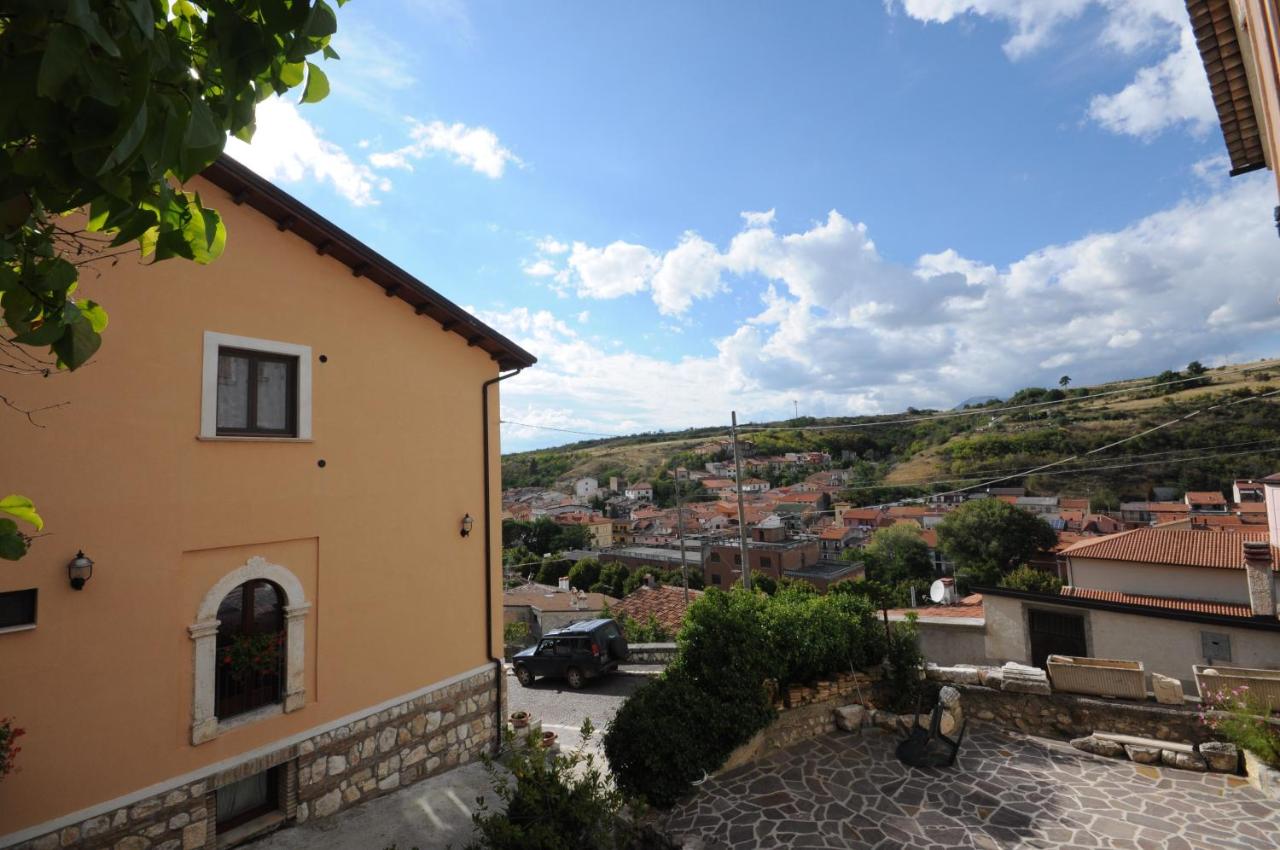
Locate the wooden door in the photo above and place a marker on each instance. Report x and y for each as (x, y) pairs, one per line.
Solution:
(1055, 633)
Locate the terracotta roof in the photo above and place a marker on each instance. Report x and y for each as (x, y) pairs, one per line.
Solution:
(1205, 498)
(835, 532)
(1197, 606)
(968, 607)
(665, 603)
(1172, 546)
(288, 213)
(1219, 45)
(1073, 504)
(546, 598)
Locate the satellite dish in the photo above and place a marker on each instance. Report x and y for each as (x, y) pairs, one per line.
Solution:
(938, 591)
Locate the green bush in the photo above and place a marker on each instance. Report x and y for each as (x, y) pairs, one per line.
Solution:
(714, 696)
(1031, 580)
(1241, 718)
(903, 663)
(552, 802)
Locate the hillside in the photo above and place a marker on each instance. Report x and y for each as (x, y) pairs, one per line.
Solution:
(904, 458)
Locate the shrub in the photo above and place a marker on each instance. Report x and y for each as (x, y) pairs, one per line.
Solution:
(903, 661)
(9, 734)
(1241, 718)
(516, 633)
(555, 801)
(635, 631)
(1030, 579)
(672, 730)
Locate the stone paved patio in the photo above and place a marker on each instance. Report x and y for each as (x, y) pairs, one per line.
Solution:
(849, 791)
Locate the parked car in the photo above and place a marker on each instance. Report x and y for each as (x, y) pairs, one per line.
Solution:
(578, 652)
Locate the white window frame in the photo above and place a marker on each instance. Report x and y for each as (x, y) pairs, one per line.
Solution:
(209, 383)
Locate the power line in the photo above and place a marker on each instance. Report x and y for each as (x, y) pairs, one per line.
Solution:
(977, 411)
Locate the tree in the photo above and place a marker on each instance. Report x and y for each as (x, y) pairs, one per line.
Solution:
(108, 108)
(897, 553)
(1030, 579)
(1195, 369)
(986, 538)
(584, 574)
(1064, 381)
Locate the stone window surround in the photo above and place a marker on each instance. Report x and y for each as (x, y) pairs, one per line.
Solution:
(209, 383)
(205, 725)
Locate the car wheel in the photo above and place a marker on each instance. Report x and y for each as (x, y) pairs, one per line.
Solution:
(575, 678)
(524, 676)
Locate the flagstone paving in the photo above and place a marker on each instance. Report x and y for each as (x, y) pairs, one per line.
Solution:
(848, 790)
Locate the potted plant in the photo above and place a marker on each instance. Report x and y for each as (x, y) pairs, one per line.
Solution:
(9, 750)
(519, 719)
(548, 739)
(258, 654)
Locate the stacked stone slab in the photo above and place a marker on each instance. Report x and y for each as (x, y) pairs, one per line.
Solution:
(1214, 756)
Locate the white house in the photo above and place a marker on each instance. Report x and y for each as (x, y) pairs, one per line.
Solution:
(585, 488)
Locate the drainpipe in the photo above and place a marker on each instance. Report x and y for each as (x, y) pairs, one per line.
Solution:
(498, 672)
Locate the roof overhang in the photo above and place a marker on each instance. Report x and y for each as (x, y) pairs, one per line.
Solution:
(1226, 64)
(1267, 624)
(288, 213)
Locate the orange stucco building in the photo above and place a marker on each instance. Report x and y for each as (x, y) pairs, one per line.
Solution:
(271, 462)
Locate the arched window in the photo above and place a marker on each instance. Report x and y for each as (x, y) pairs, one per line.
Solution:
(250, 648)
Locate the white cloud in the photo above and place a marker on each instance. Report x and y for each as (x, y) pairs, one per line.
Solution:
(759, 219)
(288, 148)
(540, 268)
(617, 269)
(689, 271)
(477, 148)
(850, 332)
(584, 317)
(550, 245)
(1172, 92)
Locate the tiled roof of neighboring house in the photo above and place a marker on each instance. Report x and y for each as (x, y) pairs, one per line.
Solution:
(1214, 27)
(1073, 504)
(547, 598)
(835, 532)
(664, 603)
(930, 537)
(862, 513)
(1101, 524)
(1205, 498)
(968, 607)
(1251, 507)
(1222, 609)
(1171, 546)
(811, 498)
(717, 483)
(288, 213)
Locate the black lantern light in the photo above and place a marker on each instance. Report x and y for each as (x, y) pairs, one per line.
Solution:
(467, 522)
(80, 569)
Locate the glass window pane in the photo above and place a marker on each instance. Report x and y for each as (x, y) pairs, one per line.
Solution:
(266, 607)
(230, 614)
(238, 798)
(273, 395)
(233, 391)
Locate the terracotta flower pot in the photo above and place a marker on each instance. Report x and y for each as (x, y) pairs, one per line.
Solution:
(519, 719)
(548, 739)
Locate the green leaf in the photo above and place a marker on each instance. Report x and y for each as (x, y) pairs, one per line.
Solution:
(86, 20)
(329, 52)
(23, 508)
(134, 226)
(321, 22)
(46, 334)
(317, 85)
(57, 274)
(143, 14)
(291, 73)
(61, 58)
(129, 141)
(12, 544)
(93, 311)
(77, 344)
(8, 277)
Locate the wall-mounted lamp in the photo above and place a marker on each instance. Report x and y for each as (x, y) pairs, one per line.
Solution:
(467, 522)
(79, 570)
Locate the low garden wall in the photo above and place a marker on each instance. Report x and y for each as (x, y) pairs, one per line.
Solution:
(652, 653)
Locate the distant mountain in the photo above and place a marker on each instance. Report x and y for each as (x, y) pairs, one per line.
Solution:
(975, 400)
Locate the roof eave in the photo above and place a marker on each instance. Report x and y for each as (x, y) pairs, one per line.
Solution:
(246, 187)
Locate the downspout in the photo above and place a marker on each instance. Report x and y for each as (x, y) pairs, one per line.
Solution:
(498, 670)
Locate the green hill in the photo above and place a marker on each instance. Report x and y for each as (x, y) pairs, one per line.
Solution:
(892, 458)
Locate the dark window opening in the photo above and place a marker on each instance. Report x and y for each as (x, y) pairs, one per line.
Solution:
(257, 393)
(17, 608)
(1055, 633)
(715, 578)
(250, 798)
(765, 562)
(251, 648)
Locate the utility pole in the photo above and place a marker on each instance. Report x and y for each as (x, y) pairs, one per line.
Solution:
(684, 567)
(742, 522)
(797, 404)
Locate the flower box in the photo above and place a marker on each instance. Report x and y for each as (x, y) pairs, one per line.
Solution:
(1263, 685)
(1101, 677)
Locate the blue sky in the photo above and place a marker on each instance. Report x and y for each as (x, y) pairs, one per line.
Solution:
(686, 208)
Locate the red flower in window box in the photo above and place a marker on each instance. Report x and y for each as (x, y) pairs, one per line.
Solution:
(260, 654)
(9, 750)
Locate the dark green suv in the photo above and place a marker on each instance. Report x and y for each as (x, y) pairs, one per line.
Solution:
(578, 652)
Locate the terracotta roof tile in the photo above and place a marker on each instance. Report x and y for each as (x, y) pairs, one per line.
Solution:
(1197, 606)
(970, 606)
(1205, 498)
(1172, 546)
(665, 603)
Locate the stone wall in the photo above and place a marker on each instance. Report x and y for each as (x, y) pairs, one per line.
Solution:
(652, 653)
(318, 776)
(1067, 716)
